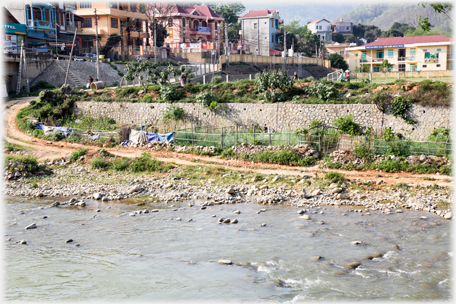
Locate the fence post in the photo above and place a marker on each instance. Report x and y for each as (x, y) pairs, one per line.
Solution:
(253, 134)
(227, 78)
(289, 136)
(222, 138)
(398, 75)
(428, 75)
(204, 79)
(319, 144)
(270, 141)
(250, 76)
(236, 134)
(386, 77)
(370, 76)
(192, 133)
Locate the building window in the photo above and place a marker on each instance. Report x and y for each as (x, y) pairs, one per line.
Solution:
(87, 22)
(390, 53)
(85, 4)
(439, 50)
(204, 24)
(401, 67)
(113, 5)
(348, 28)
(195, 24)
(424, 50)
(438, 65)
(114, 23)
(272, 23)
(183, 22)
(424, 66)
(133, 7)
(341, 52)
(379, 54)
(170, 22)
(255, 26)
(376, 69)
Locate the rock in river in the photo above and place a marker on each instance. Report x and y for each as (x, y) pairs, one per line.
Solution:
(227, 262)
(31, 226)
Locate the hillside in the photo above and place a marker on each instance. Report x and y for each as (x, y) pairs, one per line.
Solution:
(304, 12)
(384, 15)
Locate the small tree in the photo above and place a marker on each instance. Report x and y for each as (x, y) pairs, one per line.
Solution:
(113, 41)
(386, 66)
(337, 61)
(272, 84)
(338, 38)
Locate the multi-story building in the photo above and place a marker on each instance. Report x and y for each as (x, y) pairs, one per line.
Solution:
(189, 27)
(424, 53)
(338, 48)
(259, 30)
(126, 19)
(50, 23)
(343, 27)
(322, 28)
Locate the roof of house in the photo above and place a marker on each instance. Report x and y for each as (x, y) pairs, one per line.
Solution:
(203, 10)
(343, 22)
(316, 21)
(409, 40)
(259, 13)
(9, 15)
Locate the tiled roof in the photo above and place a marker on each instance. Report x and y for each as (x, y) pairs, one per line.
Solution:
(409, 40)
(343, 22)
(203, 10)
(316, 21)
(259, 13)
(206, 11)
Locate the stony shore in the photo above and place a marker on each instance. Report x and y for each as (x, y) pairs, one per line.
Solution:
(79, 183)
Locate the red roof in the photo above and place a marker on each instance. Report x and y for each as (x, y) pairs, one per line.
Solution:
(343, 22)
(316, 21)
(203, 10)
(409, 40)
(206, 11)
(259, 13)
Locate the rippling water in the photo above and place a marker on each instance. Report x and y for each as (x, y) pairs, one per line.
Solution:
(150, 257)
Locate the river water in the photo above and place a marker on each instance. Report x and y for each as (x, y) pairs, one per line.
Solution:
(155, 257)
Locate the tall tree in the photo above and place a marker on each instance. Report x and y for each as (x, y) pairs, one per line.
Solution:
(441, 8)
(308, 42)
(229, 11)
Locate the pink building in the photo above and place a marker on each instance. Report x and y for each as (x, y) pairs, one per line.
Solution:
(191, 28)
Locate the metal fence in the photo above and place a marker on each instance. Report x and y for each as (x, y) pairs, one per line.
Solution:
(325, 140)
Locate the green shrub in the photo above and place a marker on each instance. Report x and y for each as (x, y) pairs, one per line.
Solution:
(335, 177)
(54, 137)
(144, 163)
(168, 93)
(173, 113)
(400, 107)
(347, 125)
(323, 89)
(441, 134)
(121, 164)
(101, 163)
(273, 84)
(283, 157)
(227, 153)
(363, 151)
(148, 98)
(77, 154)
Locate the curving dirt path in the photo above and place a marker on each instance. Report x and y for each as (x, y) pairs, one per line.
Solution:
(44, 149)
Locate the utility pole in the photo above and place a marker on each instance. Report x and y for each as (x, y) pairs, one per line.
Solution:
(285, 49)
(96, 38)
(227, 47)
(71, 56)
(155, 41)
(316, 50)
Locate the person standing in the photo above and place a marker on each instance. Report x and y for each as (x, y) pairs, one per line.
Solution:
(347, 75)
(295, 76)
(90, 82)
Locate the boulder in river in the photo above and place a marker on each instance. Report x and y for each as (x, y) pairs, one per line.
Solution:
(31, 226)
(226, 262)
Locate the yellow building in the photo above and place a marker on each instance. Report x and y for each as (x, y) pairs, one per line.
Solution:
(424, 53)
(124, 18)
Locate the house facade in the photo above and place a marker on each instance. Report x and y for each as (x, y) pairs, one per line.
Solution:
(322, 28)
(126, 19)
(424, 53)
(259, 31)
(338, 48)
(190, 28)
(343, 27)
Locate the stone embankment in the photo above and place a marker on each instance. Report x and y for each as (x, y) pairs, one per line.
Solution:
(121, 186)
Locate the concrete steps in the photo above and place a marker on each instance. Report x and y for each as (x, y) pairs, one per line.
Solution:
(64, 65)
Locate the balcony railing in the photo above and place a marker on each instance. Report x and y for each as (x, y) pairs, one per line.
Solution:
(39, 23)
(407, 58)
(194, 31)
(139, 35)
(368, 59)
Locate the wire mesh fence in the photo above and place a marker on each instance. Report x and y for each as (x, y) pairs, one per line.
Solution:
(323, 139)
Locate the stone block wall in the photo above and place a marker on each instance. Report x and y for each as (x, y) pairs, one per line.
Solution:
(278, 116)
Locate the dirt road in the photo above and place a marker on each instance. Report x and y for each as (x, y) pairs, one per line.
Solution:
(44, 149)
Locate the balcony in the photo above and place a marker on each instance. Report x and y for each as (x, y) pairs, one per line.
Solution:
(140, 35)
(370, 60)
(39, 23)
(278, 30)
(407, 58)
(194, 31)
(67, 28)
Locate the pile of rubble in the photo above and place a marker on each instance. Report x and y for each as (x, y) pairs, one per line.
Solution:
(301, 150)
(210, 149)
(345, 157)
(16, 169)
(160, 145)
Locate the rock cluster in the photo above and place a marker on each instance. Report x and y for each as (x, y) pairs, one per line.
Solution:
(16, 169)
(301, 150)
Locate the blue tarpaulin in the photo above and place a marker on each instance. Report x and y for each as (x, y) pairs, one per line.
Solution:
(39, 126)
(168, 136)
(151, 137)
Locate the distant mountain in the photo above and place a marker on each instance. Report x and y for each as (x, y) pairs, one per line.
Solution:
(304, 13)
(384, 15)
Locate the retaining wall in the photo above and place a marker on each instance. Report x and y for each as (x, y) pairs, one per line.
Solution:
(279, 116)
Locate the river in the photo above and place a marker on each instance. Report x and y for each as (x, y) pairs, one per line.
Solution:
(153, 256)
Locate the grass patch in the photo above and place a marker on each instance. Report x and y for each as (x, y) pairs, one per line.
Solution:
(335, 177)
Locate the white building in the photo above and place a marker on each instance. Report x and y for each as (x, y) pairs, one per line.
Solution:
(322, 28)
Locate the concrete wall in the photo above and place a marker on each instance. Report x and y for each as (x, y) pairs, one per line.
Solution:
(36, 64)
(259, 37)
(274, 59)
(279, 116)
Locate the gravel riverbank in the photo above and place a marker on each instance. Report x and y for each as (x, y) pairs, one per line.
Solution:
(79, 183)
